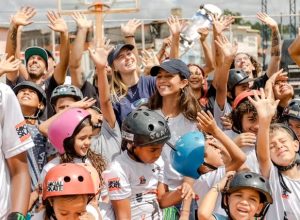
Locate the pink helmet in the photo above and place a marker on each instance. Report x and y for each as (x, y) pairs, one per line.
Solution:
(68, 179)
(64, 127)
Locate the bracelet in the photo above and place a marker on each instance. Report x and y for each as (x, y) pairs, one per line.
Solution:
(15, 216)
(217, 187)
(129, 36)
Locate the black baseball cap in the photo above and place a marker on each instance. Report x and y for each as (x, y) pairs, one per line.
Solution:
(31, 51)
(115, 52)
(174, 66)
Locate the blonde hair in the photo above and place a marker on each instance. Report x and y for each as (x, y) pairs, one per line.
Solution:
(118, 88)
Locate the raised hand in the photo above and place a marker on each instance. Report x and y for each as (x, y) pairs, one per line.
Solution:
(246, 139)
(81, 20)
(222, 184)
(203, 33)
(265, 105)
(84, 103)
(221, 23)
(267, 20)
(57, 23)
(229, 50)
(23, 16)
(99, 55)
(175, 25)
(206, 122)
(226, 122)
(149, 59)
(186, 191)
(8, 65)
(130, 27)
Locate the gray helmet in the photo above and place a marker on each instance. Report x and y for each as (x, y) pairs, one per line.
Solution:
(293, 109)
(31, 85)
(65, 91)
(143, 127)
(236, 77)
(250, 180)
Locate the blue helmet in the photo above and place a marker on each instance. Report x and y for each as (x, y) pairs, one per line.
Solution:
(189, 154)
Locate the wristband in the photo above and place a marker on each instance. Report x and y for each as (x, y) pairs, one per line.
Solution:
(16, 216)
(129, 36)
(216, 187)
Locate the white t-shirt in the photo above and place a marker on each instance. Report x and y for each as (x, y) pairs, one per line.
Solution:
(126, 178)
(204, 183)
(179, 126)
(289, 202)
(14, 139)
(108, 142)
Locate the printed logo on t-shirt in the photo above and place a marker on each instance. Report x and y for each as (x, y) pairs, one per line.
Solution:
(55, 186)
(22, 131)
(114, 184)
(142, 180)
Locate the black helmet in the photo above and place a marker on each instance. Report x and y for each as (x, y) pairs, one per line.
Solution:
(293, 109)
(65, 91)
(236, 77)
(143, 127)
(250, 180)
(31, 85)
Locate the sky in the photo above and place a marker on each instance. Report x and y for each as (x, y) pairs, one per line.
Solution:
(153, 9)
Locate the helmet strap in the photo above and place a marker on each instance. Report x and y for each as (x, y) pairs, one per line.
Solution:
(131, 153)
(209, 166)
(285, 168)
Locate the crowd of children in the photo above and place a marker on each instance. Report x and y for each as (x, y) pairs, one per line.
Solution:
(149, 138)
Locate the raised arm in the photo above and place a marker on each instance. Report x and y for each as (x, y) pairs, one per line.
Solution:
(208, 58)
(128, 31)
(175, 29)
(219, 25)
(207, 123)
(294, 49)
(266, 109)
(58, 24)
(274, 63)
(207, 206)
(76, 71)
(21, 18)
(99, 56)
(8, 64)
(222, 72)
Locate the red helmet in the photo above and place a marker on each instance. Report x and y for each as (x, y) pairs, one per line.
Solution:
(243, 96)
(68, 179)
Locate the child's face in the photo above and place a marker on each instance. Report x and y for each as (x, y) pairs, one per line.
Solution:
(28, 98)
(83, 140)
(295, 125)
(244, 204)
(62, 103)
(238, 89)
(250, 123)
(213, 154)
(149, 154)
(283, 90)
(69, 208)
(282, 147)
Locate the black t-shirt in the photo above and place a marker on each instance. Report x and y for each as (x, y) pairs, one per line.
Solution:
(88, 90)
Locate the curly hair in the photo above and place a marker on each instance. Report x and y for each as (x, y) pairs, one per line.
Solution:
(97, 161)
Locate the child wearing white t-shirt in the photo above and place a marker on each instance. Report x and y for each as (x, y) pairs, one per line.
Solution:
(135, 178)
(278, 156)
